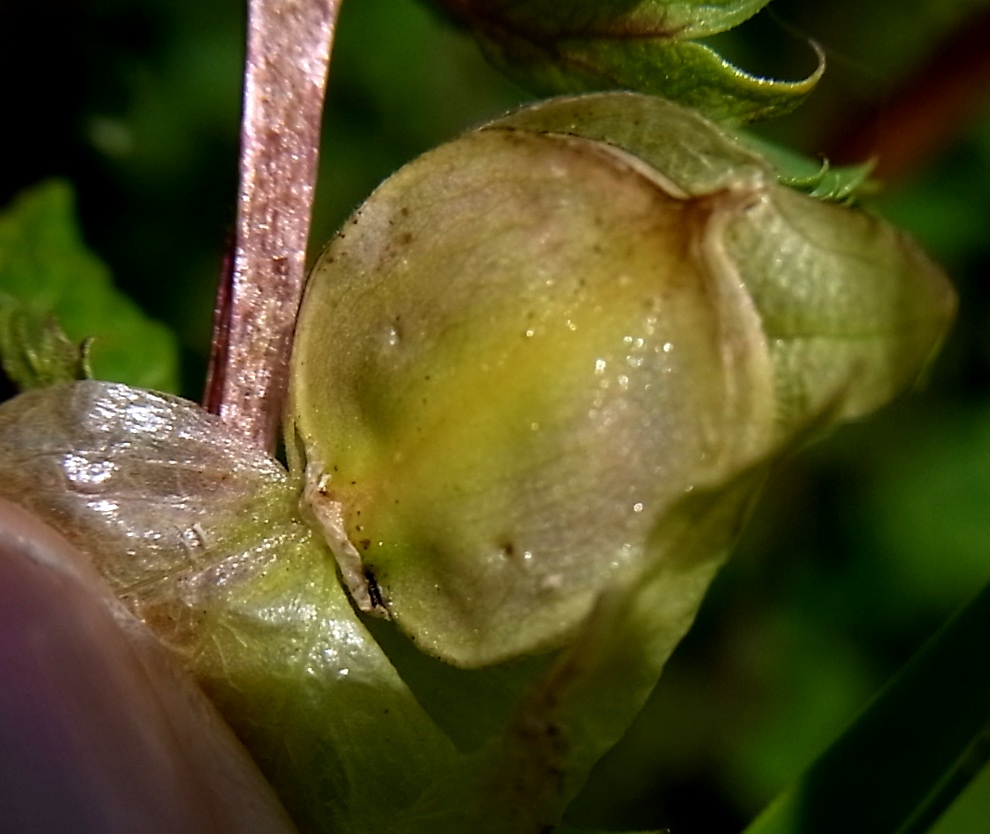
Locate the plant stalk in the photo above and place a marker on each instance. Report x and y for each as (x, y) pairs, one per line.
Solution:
(910, 125)
(285, 79)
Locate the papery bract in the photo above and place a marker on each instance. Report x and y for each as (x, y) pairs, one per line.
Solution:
(530, 344)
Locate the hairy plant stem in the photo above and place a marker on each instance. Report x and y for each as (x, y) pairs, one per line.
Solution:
(285, 78)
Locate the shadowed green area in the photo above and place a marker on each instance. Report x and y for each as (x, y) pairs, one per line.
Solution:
(903, 761)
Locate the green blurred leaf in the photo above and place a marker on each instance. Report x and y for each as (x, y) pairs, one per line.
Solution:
(34, 350)
(934, 558)
(913, 750)
(969, 812)
(46, 268)
(647, 46)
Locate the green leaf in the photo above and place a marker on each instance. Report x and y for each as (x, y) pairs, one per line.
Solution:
(648, 47)
(34, 350)
(968, 813)
(913, 750)
(47, 269)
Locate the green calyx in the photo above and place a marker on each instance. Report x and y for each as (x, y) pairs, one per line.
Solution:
(531, 343)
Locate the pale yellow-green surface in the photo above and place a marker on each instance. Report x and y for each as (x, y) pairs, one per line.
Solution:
(528, 345)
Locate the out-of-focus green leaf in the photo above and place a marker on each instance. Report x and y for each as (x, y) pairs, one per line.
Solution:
(647, 46)
(929, 510)
(34, 350)
(48, 271)
(968, 814)
(912, 751)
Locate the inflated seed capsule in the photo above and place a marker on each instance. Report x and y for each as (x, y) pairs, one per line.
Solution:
(530, 343)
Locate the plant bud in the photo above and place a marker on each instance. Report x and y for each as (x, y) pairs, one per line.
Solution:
(529, 344)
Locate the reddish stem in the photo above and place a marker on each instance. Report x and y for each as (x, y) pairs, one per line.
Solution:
(928, 108)
(288, 58)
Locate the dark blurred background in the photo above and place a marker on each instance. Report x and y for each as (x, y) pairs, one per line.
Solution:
(862, 546)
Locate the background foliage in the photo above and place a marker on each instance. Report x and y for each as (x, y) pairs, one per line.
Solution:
(863, 545)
